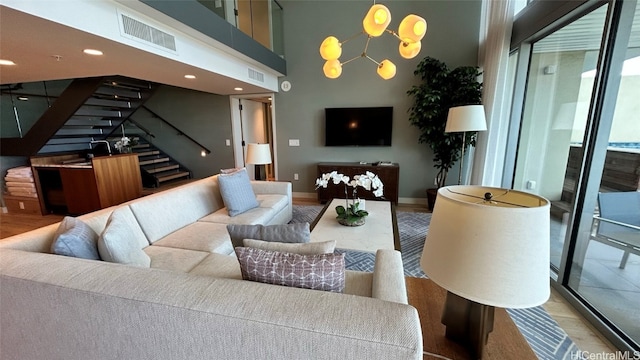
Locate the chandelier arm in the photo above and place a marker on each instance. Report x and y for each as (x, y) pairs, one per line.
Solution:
(352, 37)
(350, 60)
(366, 46)
(369, 57)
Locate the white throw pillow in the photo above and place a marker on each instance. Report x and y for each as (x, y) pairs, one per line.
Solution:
(324, 247)
(122, 240)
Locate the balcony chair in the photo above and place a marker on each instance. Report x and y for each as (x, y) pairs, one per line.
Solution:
(618, 223)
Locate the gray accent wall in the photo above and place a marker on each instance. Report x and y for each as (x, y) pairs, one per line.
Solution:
(452, 36)
(203, 116)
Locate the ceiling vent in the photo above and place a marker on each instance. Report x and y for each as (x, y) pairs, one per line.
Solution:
(256, 75)
(138, 30)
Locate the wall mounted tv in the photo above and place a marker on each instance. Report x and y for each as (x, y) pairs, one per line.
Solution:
(365, 126)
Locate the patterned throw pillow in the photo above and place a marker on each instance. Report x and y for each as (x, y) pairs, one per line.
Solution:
(75, 238)
(237, 193)
(316, 272)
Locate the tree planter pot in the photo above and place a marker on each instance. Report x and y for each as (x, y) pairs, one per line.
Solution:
(431, 198)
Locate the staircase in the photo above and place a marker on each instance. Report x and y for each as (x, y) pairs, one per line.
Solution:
(156, 167)
(112, 102)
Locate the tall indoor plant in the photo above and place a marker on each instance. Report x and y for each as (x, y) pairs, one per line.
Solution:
(441, 89)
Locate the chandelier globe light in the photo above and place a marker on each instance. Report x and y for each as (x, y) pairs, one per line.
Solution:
(412, 28)
(409, 50)
(330, 49)
(411, 31)
(332, 69)
(376, 20)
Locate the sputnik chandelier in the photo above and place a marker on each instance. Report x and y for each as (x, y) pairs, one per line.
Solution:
(411, 30)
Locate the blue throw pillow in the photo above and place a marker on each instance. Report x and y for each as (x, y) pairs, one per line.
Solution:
(75, 238)
(237, 193)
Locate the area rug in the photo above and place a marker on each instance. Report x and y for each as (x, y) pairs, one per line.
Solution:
(542, 332)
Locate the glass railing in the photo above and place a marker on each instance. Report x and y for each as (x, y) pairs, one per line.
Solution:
(23, 104)
(260, 19)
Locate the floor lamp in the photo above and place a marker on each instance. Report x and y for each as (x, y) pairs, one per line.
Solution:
(463, 119)
(487, 247)
(259, 155)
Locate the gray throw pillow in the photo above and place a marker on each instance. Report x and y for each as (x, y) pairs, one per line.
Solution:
(75, 238)
(237, 193)
(317, 272)
(312, 248)
(286, 233)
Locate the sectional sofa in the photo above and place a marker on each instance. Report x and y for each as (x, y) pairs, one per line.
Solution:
(189, 300)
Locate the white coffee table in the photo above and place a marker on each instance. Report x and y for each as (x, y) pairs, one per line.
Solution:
(379, 232)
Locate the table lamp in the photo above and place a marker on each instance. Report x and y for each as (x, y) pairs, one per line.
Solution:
(259, 155)
(463, 119)
(487, 247)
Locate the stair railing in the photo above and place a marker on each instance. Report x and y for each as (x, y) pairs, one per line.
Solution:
(180, 132)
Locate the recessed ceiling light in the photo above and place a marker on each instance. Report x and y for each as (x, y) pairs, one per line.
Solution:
(189, 76)
(6, 62)
(92, 52)
(238, 89)
(22, 98)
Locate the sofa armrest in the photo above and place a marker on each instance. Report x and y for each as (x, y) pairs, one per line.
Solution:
(388, 277)
(272, 187)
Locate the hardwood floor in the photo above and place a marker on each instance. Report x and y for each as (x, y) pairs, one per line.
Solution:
(580, 331)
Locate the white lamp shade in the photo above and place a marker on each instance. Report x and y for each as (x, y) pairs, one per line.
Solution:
(495, 253)
(466, 118)
(258, 154)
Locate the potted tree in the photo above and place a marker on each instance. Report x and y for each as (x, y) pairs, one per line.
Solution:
(441, 89)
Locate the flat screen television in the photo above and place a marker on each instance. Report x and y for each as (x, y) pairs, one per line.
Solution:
(365, 126)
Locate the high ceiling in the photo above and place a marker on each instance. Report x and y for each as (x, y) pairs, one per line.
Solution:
(45, 50)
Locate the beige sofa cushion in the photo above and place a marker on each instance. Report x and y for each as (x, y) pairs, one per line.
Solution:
(122, 240)
(180, 260)
(162, 213)
(250, 217)
(276, 202)
(219, 266)
(199, 236)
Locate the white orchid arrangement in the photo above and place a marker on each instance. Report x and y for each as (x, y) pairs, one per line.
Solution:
(124, 144)
(369, 181)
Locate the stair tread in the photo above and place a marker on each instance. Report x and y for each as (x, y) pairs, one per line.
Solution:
(161, 168)
(144, 153)
(153, 161)
(172, 175)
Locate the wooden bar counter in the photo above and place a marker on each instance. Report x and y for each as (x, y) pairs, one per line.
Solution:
(70, 184)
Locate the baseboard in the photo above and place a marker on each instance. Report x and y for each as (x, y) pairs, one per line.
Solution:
(412, 201)
(402, 200)
(304, 195)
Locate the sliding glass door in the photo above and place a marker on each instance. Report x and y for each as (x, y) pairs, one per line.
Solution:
(605, 267)
(579, 146)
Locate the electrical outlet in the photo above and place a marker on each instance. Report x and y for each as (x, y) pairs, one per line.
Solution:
(531, 185)
(227, 142)
(295, 177)
(294, 142)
